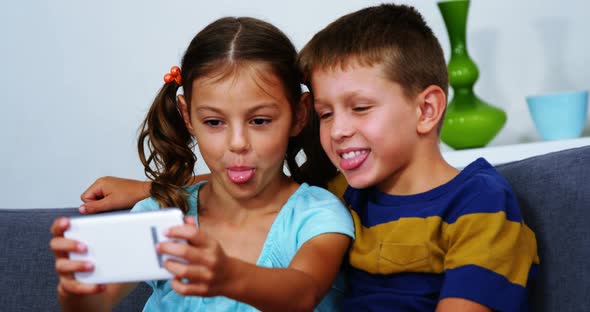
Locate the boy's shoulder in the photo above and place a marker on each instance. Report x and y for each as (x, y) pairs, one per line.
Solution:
(478, 188)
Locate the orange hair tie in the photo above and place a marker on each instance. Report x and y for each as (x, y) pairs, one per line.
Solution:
(174, 75)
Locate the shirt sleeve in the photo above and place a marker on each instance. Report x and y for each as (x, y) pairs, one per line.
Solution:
(321, 212)
(148, 204)
(491, 253)
(338, 185)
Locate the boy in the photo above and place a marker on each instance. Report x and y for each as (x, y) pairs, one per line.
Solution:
(427, 236)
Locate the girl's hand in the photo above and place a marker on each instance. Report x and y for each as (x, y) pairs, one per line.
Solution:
(112, 193)
(65, 267)
(206, 272)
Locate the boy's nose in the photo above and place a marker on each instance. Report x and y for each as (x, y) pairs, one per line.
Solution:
(238, 140)
(341, 128)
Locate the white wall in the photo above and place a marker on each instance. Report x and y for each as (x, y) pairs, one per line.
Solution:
(78, 76)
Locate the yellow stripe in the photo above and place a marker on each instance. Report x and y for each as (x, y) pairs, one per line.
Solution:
(423, 245)
(502, 246)
(338, 186)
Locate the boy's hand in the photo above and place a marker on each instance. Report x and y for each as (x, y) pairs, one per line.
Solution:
(206, 272)
(65, 267)
(112, 193)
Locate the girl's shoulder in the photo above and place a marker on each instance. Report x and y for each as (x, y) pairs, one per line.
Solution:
(315, 196)
(312, 211)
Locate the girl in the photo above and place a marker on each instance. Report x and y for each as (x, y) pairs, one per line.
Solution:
(257, 236)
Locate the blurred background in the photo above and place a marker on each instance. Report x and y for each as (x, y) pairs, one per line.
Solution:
(78, 76)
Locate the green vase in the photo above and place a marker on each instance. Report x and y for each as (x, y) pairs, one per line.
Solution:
(469, 121)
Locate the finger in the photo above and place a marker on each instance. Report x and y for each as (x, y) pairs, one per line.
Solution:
(59, 226)
(190, 220)
(99, 205)
(191, 272)
(67, 245)
(180, 250)
(93, 192)
(75, 287)
(65, 267)
(195, 289)
(189, 232)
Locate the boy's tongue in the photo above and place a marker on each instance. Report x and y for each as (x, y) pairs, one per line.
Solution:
(240, 175)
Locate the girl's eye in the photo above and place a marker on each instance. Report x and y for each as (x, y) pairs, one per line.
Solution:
(213, 122)
(261, 121)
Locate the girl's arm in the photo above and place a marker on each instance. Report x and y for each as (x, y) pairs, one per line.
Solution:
(73, 295)
(210, 272)
(112, 193)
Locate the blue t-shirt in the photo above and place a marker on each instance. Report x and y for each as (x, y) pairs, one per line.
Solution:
(310, 211)
(465, 239)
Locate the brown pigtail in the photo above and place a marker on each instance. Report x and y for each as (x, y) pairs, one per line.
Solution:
(170, 159)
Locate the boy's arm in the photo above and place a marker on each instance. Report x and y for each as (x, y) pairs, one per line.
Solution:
(460, 305)
(112, 193)
(490, 256)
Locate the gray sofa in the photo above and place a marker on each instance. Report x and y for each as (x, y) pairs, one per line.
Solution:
(553, 191)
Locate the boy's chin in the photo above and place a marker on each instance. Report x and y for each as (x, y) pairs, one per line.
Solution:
(358, 182)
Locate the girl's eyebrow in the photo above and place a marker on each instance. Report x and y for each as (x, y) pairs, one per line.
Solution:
(269, 105)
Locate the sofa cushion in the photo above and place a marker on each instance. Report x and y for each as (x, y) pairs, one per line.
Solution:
(553, 192)
(27, 263)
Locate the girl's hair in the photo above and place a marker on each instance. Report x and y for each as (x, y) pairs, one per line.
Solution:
(220, 49)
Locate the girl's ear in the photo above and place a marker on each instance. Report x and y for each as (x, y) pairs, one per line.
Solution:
(300, 118)
(432, 103)
(183, 108)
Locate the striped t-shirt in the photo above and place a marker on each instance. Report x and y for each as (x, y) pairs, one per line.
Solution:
(463, 239)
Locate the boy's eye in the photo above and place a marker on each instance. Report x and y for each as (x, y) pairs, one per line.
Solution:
(324, 115)
(261, 121)
(360, 108)
(213, 122)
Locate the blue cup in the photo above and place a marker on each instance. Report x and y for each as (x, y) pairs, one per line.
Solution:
(559, 115)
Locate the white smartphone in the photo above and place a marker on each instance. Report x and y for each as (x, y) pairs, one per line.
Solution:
(122, 245)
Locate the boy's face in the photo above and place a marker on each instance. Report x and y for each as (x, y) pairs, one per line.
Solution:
(367, 124)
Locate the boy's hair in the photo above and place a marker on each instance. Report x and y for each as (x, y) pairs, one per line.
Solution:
(393, 36)
(223, 47)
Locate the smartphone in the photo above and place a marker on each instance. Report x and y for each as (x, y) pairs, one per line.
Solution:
(122, 245)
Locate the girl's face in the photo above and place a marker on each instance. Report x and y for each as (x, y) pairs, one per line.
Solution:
(242, 124)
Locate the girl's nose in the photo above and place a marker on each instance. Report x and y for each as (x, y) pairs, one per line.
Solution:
(238, 140)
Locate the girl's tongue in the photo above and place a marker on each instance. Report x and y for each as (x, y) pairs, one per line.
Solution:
(240, 175)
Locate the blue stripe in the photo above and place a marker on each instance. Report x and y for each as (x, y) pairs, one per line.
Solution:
(477, 189)
(485, 287)
(395, 292)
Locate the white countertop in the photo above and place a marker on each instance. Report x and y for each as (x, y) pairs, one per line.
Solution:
(502, 154)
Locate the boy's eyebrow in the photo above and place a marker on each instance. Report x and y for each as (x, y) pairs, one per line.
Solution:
(342, 96)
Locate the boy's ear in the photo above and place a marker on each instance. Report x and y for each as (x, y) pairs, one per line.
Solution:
(432, 103)
(183, 108)
(303, 110)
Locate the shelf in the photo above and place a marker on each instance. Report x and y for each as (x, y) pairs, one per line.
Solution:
(502, 154)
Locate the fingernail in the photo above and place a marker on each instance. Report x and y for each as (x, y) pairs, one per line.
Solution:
(88, 266)
(81, 247)
(82, 209)
(63, 222)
